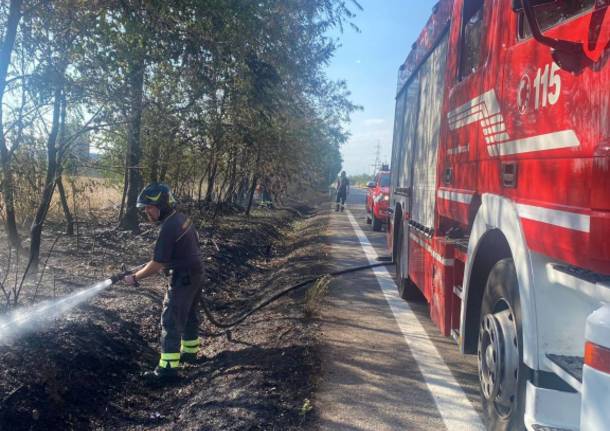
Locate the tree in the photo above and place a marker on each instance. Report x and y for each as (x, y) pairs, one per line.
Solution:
(211, 96)
(8, 42)
(52, 35)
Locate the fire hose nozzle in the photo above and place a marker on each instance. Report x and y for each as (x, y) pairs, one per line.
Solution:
(124, 273)
(120, 276)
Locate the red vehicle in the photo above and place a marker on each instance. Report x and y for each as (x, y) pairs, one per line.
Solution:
(377, 199)
(500, 194)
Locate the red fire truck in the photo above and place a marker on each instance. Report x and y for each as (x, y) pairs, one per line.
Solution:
(500, 194)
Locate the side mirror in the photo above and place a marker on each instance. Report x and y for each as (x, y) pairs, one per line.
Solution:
(370, 184)
(518, 6)
(568, 55)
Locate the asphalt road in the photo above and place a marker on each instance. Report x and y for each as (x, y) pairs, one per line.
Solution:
(385, 366)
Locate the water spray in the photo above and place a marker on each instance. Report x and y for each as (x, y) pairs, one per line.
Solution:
(25, 320)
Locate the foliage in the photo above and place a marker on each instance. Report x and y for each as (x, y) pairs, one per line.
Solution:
(210, 96)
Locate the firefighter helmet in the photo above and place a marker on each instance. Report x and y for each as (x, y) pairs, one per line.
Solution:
(157, 194)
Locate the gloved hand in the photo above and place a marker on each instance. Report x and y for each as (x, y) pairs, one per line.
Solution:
(130, 280)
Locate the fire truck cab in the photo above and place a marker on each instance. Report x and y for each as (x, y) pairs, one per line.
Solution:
(500, 193)
(377, 199)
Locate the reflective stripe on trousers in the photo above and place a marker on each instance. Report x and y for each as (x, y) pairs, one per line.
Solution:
(190, 346)
(179, 318)
(169, 360)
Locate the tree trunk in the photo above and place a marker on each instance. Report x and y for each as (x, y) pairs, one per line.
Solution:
(163, 172)
(49, 184)
(160, 158)
(7, 194)
(251, 194)
(65, 206)
(60, 185)
(134, 151)
(242, 190)
(163, 161)
(154, 163)
(200, 189)
(223, 186)
(230, 192)
(125, 183)
(8, 43)
(211, 177)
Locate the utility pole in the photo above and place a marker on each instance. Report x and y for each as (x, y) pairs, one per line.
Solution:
(377, 158)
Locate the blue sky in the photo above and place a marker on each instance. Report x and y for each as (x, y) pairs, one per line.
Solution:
(369, 62)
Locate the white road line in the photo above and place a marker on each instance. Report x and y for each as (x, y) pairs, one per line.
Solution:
(451, 401)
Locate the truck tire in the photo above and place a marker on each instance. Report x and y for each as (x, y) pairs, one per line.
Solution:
(406, 289)
(502, 373)
(376, 221)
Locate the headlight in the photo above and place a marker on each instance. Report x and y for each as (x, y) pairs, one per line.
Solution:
(386, 197)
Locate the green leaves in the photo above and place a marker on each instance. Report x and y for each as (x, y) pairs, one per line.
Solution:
(232, 89)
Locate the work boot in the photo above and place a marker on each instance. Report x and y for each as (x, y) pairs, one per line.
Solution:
(337, 209)
(189, 349)
(342, 208)
(160, 375)
(191, 358)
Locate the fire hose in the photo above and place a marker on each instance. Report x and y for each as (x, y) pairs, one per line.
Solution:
(385, 261)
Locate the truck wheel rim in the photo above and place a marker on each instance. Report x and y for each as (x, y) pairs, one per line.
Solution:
(498, 357)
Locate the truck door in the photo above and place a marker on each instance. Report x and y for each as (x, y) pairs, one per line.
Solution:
(558, 116)
(473, 111)
(555, 117)
(402, 167)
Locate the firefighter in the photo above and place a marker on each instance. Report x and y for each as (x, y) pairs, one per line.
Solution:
(342, 191)
(177, 253)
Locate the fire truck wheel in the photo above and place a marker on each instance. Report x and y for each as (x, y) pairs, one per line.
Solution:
(406, 288)
(376, 222)
(502, 374)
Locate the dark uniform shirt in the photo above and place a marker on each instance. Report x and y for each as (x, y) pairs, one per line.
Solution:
(178, 244)
(342, 185)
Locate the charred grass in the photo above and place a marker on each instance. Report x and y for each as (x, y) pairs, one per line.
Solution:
(83, 371)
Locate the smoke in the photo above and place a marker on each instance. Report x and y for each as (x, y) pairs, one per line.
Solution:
(22, 321)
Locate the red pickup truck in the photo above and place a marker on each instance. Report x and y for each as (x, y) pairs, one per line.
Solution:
(377, 200)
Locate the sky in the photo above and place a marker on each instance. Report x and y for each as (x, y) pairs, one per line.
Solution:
(369, 62)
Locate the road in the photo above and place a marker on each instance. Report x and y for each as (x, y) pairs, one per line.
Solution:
(385, 366)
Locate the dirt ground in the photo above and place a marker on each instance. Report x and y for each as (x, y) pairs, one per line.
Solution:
(83, 370)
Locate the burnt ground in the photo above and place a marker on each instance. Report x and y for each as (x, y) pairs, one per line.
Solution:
(82, 371)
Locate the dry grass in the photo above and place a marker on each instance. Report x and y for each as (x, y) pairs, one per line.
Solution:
(315, 294)
(87, 195)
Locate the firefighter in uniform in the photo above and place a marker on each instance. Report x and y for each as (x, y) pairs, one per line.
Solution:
(342, 190)
(177, 253)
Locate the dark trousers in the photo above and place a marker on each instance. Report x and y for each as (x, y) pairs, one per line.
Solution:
(341, 196)
(179, 318)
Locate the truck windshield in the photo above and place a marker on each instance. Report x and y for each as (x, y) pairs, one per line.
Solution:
(384, 181)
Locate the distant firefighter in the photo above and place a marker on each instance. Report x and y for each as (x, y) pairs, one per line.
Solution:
(342, 191)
